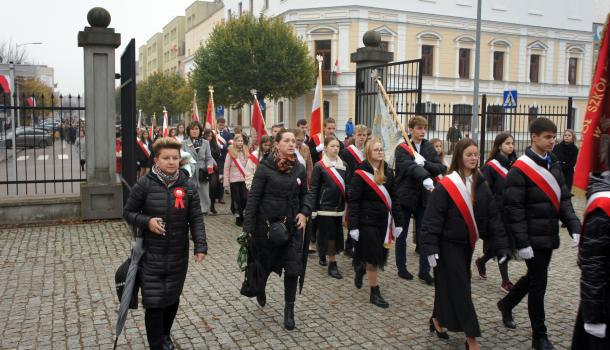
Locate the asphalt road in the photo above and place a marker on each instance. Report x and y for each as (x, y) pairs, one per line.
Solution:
(56, 163)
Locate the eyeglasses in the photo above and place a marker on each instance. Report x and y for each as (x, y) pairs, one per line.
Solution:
(380, 150)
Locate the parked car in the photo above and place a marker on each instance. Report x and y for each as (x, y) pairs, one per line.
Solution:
(49, 125)
(27, 137)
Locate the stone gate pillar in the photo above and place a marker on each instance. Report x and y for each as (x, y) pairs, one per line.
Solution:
(101, 195)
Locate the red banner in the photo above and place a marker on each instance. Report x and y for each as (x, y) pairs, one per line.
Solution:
(593, 154)
(258, 123)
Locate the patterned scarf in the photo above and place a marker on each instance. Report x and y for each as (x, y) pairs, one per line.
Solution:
(284, 164)
(197, 143)
(166, 179)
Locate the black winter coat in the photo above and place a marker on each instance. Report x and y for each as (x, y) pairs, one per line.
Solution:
(594, 261)
(495, 181)
(566, 155)
(325, 193)
(164, 264)
(443, 221)
(531, 218)
(142, 159)
(365, 206)
(410, 176)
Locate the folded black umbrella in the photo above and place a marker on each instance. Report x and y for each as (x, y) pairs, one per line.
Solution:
(304, 256)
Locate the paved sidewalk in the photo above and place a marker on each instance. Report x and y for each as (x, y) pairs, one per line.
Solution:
(57, 292)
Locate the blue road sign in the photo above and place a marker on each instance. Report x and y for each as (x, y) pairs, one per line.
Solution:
(220, 111)
(510, 99)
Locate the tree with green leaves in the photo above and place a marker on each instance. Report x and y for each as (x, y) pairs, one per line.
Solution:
(248, 53)
(169, 90)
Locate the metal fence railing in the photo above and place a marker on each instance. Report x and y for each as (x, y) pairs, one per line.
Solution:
(42, 142)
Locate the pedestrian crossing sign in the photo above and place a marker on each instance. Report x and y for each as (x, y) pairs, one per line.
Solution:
(510, 99)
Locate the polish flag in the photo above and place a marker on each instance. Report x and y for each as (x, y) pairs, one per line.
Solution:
(5, 83)
(337, 68)
(195, 116)
(165, 123)
(139, 126)
(258, 123)
(210, 117)
(316, 111)
(30, 101)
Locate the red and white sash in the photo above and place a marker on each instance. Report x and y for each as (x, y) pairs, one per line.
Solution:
(220, 140)
(356, 153)
(497, 166)
(542, 177)
(438, 177)
(408, 149)
(334, 174)
(254, 157)
(383, 193)
(238, 165)
(144, 148)
(599, 200)
(456, 188)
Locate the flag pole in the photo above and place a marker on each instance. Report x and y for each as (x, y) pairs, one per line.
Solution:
(392, 110)
(211, 90)
(320, 60)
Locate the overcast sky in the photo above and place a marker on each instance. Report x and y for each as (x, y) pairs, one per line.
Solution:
(56, 24)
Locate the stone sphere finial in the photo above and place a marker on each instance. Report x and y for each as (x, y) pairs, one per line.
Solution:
(98, 17)
(371, 39)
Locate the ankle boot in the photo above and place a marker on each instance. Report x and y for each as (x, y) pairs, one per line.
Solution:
(377, 299)
(333, 270)
(289, 316)
(359, 272)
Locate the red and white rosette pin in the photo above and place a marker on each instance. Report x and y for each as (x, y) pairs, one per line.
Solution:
(179, 195)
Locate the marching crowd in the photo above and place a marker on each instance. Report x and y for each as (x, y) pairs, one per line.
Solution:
(293, 194)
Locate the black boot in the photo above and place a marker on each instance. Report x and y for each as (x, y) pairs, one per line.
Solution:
(289, 316)
(239, 221)
(359, 272)
(262, 299)
(507, 316)
(333, 270)
(377, 299)
(542, 343)
(323, 261)
(167, 343)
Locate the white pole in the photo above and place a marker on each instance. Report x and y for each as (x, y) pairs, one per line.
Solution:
(13, 128)
(477, 58)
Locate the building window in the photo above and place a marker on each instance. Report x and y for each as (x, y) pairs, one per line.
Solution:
(498, 65)
(239, 10)
(322, 48)
(495, 118)
(229, 13)
(240, 115)
(384, 45)
(280, 112)
(462, 114)
(534, 68)
(326, 110)
(572, 70)
(427, 55)
(428, 111)
(464, 64)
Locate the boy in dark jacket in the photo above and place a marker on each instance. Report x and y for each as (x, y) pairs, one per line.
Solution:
(415, 171)
(535, 199)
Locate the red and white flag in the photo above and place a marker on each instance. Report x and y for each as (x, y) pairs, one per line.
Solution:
(316, 109)
(31, 101)
(195, 116)
(258, 123)
(5, 83)
(337, 68)
(593, 155)
(210, 119)
(165, 123)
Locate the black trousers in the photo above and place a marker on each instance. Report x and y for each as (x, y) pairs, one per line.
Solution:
(534, 285)
(159, 324)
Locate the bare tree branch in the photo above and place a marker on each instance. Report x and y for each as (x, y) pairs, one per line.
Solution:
(9, 52)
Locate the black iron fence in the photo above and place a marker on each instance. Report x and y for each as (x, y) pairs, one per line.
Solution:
(42, 143)
(452, 122)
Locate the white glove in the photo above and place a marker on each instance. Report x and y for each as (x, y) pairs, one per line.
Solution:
(596, 329)
(575, 239)
(314, 215)
(432, 260)
(419, 160)
(355, 234)
(397, 232)
(320, 147)
(526, 253)
(429, 184)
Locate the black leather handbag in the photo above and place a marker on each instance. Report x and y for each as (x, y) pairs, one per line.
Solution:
(277, 232)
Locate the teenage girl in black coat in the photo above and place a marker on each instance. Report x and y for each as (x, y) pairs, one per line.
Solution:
(449, 244)
(567, 153)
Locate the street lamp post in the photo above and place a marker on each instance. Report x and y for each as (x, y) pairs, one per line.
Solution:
(475, 98)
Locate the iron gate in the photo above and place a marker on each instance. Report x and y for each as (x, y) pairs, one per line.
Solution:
(128, 116)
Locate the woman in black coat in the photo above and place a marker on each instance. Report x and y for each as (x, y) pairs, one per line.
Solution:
(215, 184)
(448, 240)
(567, 153)
(164, 206)
(328, 197)
(144, 154)
(374, 219)
(591, 331)
(501, 158)
(279, 194)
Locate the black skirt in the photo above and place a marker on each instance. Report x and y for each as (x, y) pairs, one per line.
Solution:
(453, 307)
(369, 247)
(330, 228)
